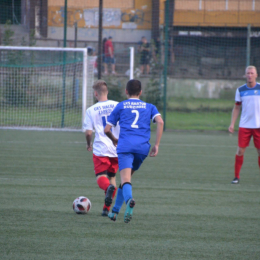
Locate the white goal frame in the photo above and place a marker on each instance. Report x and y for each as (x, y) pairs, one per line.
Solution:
(84, 80)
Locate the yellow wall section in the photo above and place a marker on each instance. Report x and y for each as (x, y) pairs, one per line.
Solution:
(138, 13)
(82, 4)
(235, 13)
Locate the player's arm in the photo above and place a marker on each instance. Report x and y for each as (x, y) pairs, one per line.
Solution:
(110, 135)
(159, 131)
(235, 114)
(88, 134)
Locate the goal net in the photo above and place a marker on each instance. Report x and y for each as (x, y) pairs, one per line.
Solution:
(45, 88)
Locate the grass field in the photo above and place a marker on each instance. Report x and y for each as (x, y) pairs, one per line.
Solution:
(186, 207)
(182, 114)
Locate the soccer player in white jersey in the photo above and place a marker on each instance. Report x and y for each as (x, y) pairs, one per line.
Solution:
(134, 117)
(247, 96)
(104, 152)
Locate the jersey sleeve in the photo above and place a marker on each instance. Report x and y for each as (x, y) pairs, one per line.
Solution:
(154, 113)
(114, 116)
(237, 97)
(88, 124)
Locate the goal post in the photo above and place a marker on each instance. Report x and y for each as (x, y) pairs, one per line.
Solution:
(45, 88)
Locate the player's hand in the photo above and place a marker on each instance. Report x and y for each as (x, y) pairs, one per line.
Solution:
(231, 129)
(115, 141)
(154, 151)
(89, 147)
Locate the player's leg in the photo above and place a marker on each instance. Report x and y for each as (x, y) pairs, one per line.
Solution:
(125, 161)
(111, 172)
(239, 159)
(101, 165)
(125, 175)
(127, 166)
(118, 204)
(112, 180)
(103, 183)
(244, 136)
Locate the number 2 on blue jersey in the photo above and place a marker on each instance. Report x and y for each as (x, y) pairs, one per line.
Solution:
(134, 125)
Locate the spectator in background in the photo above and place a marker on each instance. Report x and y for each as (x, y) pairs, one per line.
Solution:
(157, 49)
(93, 59)
(144, 50)
(103, 51)
(109, 55)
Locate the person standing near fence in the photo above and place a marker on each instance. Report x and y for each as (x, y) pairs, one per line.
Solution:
(109, 56)
(104, 152)
(247, 96)
(144, 50)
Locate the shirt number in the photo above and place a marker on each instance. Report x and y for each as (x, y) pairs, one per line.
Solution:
(134, 125)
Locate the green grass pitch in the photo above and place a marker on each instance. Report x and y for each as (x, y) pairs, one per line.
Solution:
(186, 207)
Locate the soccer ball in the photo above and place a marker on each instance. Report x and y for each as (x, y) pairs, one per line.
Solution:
(81, 205)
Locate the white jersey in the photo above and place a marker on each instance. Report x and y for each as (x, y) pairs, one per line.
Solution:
(250, 100)
(96, 118)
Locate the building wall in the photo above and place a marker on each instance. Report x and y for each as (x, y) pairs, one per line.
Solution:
(128, 14)
(129, 20)
(125, 21)
(233, 13)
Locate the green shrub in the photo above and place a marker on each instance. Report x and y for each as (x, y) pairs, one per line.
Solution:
(115, 91)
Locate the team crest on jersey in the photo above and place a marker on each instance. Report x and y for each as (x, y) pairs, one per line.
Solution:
(255, 91)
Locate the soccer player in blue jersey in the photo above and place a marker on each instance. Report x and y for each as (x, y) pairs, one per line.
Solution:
(134, 117)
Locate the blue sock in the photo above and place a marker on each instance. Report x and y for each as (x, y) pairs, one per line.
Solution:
(127, 191)
(119, 201)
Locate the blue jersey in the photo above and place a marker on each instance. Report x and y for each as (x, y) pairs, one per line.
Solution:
(134, 117)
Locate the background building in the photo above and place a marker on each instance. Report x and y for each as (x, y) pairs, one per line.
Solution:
(207, 38)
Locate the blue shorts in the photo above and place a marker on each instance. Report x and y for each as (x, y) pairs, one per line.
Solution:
(130, 160)
(109, 60)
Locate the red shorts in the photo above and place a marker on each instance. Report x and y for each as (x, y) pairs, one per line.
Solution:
(245, 134)
(104, 163)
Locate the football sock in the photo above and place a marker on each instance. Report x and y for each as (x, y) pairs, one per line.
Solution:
(108, 207)
(238, 164)
(127, 191)
(103, 182)
(119, 200)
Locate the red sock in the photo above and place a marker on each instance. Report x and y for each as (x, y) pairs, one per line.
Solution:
(114, 194)
(259, 161)
(103, 182)
(238, 164)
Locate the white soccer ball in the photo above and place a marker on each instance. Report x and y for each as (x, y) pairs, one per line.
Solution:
(81, 205)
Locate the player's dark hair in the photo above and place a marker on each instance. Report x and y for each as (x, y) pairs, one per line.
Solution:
(133, 87)
(101, 87)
